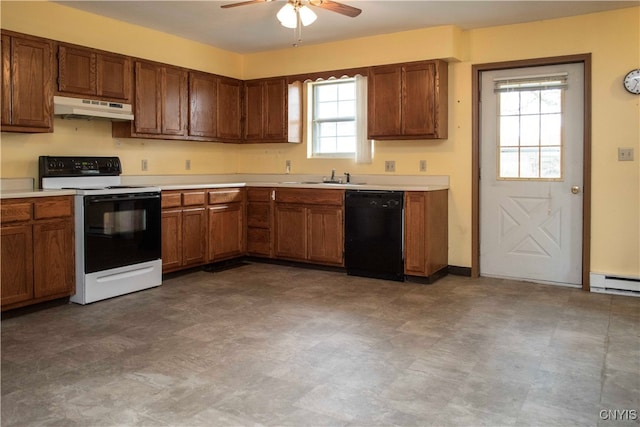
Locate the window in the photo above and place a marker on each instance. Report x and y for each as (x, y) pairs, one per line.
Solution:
(337, 119)
(530, 128)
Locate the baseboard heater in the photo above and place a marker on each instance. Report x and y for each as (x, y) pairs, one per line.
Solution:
(615, 284)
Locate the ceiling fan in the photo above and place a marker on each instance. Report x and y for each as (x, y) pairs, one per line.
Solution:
(296, 13)
(333, 6)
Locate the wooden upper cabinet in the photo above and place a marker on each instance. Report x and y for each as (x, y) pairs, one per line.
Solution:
(160, 107)
(229, 111)
(408, 101)
(27, 95)
(147, 106)
(265, 110)
(113, 77)
(174, 101)
(203, 99)
(94, 74)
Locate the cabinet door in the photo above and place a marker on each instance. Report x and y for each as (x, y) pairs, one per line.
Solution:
(418, 100)
(384, 99)
(203, 90)
(113, 76)
(53, 260)
(275, 110)
(228, 111)
(148, 110)
(226, 231)
(32, 95)
(6, 80)
(76, 70)
(326, 241)
(171, 239)
(291, 231)
(174, 101)
(194, 236)
(414, 234)
(253, 111)
(16, 276)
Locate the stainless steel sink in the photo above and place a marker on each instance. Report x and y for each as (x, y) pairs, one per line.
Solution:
(321, 182)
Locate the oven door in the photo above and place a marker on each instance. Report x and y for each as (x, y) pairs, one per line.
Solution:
(121, 230)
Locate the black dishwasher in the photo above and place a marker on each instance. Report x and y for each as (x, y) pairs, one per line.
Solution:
(374, 234)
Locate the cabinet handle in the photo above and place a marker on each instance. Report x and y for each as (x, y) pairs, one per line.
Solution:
(273, 194)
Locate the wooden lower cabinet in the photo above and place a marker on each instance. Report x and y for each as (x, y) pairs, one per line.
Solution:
(325, 231)
(184, 229)
(426, 232)
(52, 247)
(259, 220)
(16, 244)
(38, 252)
(309, 225)
(194, 236)
(201, 226)
(226, 231)
(291, 232)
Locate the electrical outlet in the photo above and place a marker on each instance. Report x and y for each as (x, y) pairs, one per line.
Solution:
(187, 165)
(423, 165)
(625, 154)
(287, 166)
(389, 165)
(144, 165)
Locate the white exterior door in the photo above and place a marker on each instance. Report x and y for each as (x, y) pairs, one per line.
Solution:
(531, 159)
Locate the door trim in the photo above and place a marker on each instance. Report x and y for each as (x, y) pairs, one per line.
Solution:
(476, 71)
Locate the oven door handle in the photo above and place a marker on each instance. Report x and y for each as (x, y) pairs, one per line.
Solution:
(122, 198)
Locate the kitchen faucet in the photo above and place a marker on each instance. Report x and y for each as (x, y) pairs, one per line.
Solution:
(332, 179)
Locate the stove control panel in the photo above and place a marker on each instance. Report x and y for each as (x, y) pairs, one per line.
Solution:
(59, 166)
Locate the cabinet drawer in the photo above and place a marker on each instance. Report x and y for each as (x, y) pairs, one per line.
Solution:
(310, 197)
(171, 200)
(259, 194)
(225, 196)
(12, 212)
(192, 198)
(53, 208)
(258, 215)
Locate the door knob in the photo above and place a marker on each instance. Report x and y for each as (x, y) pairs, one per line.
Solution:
(575, 189)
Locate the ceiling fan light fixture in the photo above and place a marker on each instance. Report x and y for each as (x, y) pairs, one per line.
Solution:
(307, 16)
(287, 16)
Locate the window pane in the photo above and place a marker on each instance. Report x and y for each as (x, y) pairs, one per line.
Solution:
(508, 162)
(509, 103)
(551, 101)
(551, 129)
(327, 145)
(327, 129)
(550, 161)
(326, 93)
(347, 91)
(347, 109)
(530, 102)
(346, 144)
(327, 110)
(509, 131)
(529, 162)
(530, 130)
(346, 128)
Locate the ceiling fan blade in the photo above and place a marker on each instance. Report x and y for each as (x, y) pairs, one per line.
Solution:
(243, 3)
(340, 8)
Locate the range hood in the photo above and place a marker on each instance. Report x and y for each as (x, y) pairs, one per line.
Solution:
(78, 108)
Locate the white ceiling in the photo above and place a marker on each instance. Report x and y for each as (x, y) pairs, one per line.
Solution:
(254, 27)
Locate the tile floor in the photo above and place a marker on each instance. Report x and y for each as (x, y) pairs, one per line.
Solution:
(276, 345)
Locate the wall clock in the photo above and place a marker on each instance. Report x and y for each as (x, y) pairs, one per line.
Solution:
(632, 82)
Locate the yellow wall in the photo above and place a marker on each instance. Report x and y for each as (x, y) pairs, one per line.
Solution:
(611, 37)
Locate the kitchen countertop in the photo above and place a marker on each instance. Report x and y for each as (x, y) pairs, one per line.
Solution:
(178, 182)
(18, 194)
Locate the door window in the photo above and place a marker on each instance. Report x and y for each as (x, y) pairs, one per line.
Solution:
(530, 133)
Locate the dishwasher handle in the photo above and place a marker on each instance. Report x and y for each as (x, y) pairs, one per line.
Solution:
(372, 199)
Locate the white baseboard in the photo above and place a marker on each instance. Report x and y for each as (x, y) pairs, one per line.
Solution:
(617, 285)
